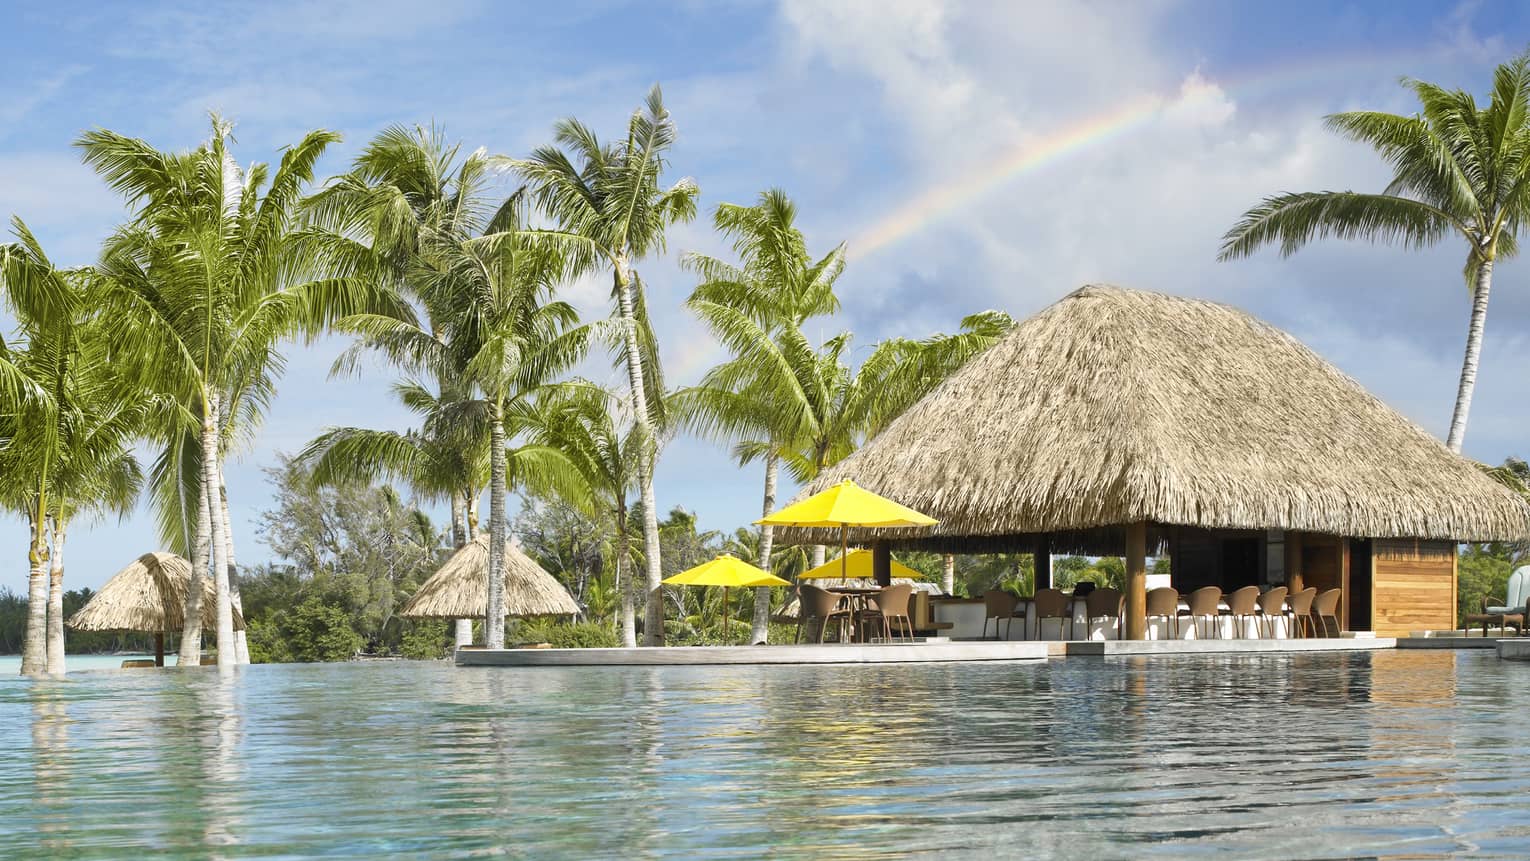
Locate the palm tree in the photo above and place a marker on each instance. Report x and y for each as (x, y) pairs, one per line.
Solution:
(779, 286)
(612, 212)
(204, 282)
(409, 184)
(69, 447)
(501, 330)
(1457, 170)
(604, 450)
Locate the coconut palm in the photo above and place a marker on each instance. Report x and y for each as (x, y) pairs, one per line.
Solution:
(1457, 170)
(408, 183)
(510, 341)
(778, 285)
(612, 213)
(67, 446)
(202, 285)
(581, 422)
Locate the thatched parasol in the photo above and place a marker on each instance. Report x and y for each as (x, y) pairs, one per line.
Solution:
(149, 595)
(460, 590)
(1117, 406)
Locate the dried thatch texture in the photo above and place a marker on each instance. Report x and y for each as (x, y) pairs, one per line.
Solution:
(1115, 406)
(460, 590)
(149, 595)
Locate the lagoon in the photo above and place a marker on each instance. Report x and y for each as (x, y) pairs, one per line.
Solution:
(1336, 754)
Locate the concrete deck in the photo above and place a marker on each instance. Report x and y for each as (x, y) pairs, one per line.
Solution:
(874, 653)
(934, 651)
(1447, 641)
(1514, 649)
(1117, 648)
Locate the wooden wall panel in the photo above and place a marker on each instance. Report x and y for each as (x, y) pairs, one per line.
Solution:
(1414, 587)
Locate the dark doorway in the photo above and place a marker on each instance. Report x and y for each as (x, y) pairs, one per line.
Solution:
(1359, 598)
(1240, 563)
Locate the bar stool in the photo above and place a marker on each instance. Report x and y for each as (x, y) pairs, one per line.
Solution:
(1053, 604)
(1300, 612)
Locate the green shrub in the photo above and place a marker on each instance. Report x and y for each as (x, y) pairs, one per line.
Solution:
(266, 642)
(426, 639)
(563, 635)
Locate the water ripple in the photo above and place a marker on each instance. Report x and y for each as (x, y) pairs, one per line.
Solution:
(1405, 754)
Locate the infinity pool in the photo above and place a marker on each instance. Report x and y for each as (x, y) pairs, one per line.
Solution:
(1410, 754)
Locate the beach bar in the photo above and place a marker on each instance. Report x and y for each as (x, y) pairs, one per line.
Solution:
(1135, 424)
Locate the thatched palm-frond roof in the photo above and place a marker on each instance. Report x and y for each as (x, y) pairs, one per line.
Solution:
(149, 595)
(460, 590)
(1115, 406)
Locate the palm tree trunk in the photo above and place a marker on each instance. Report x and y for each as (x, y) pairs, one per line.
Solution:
(464, 632)
(1480, 293)
(241, 642)
(759, 631)
(948, 574)
(190, 654)
(472, 516)
(56, 600)
(653, 618)
(627, 612)
(227, 651)
(459, 531)
(34, 649)
(494, 623)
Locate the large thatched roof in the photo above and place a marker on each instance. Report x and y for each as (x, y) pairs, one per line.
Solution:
(460, 590)
(149, 595)
(1114, 406)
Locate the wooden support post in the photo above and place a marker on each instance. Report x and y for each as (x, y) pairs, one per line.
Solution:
(1294, 582)
(1135, 620)
(1043, 562)
(1343, 583)
(159, 649)
(881, 563)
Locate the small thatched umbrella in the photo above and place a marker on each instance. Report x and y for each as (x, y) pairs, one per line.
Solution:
(460, 590)
(149, 596)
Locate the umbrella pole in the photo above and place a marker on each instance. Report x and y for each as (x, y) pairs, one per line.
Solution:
(159, 649)
(727, 639)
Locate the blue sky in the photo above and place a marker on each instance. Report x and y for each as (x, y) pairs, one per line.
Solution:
(854, 108)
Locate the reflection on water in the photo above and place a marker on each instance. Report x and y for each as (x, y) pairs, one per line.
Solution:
(1392, 754)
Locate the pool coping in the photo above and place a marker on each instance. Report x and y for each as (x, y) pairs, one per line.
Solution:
(870, 653)
(943, 651)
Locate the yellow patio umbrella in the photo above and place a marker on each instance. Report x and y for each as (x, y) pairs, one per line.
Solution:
(726, 571)
(857, 565)
(845, 505)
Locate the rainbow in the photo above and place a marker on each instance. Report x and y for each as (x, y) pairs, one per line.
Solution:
(943, 199)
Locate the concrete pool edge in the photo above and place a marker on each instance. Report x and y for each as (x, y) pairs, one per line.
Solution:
(874, 653)
(957, 651)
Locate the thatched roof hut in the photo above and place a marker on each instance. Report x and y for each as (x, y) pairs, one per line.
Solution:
(460, 590)
(1117, 406)
(149, 595)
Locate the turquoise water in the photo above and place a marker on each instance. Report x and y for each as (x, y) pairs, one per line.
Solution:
(10, 665)
(1410, 754)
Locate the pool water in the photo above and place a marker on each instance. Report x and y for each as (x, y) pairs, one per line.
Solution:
(1411, 753)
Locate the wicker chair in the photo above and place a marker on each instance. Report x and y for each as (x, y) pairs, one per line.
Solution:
(1300, 612)
(1164, 603)
(1205, 603)
(1272, 606)
(888, 610)
(1102, 604)
(823, 605)
(999, 604)
(1242, 605)
(1053, 604)
(1326, 606)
